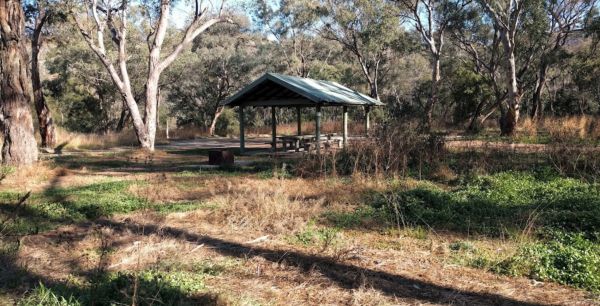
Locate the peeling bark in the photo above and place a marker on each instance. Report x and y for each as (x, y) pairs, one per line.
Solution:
(20, 147)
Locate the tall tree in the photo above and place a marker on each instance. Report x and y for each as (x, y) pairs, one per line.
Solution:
(40, 13)
(19, 147)
(367, 29)
(220, 63)
(565, 17)
(106, 13)
(506, 15)
(480, 42)
(292, 24)
(431, 19)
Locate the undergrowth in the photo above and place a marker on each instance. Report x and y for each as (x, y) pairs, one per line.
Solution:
(147, 287)
(559, 216)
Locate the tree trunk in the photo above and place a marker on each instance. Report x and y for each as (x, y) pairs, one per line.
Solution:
(475, 123)
(433, 96)
(151, 108)
(213, 122)
(123, 118)
(374, 90)
(536, 101)
(19, 147)
(45, 123)
(510, 117)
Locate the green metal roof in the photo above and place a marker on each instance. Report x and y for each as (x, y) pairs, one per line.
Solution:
(274, 89)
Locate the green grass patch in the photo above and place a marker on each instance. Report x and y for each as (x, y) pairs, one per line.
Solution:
(169, 283)
(501, 204)
(148, 287)
(569, 259)
(312, 235)
(58, 206)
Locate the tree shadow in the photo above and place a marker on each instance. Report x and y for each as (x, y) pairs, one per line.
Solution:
(101, 287)
(344, 275)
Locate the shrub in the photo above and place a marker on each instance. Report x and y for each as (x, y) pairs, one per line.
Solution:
(228, 123)
(395, 149)
(569, 259)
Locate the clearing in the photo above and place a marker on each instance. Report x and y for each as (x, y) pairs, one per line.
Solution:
(124, 226)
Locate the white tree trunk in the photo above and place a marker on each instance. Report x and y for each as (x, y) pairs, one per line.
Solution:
(145, 128)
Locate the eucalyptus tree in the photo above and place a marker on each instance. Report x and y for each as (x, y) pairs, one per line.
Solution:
(292, 24)
(80, 89)
(220, 63)
(431, 19)
(368, 29)
(520, 26)
(480, 44)
(19, 147)
(565, 17)
(40, 14)
(114, 15)
(506, 14)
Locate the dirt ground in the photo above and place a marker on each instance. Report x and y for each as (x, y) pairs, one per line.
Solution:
(251, 235)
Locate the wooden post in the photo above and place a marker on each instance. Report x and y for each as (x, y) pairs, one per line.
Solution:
(274, 129)
(299, 115)
(318, 129)
(345, 132)
(242, 140)
(367, 122)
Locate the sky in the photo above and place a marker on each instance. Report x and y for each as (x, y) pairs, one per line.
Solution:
(182, 9)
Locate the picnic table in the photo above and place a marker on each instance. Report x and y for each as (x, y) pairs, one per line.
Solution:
(307, 141)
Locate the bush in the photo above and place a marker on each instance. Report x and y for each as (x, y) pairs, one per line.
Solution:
(228, 123)
(396, 149)
(569, 259)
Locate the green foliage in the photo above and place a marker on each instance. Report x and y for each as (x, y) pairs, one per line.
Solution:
(468, 89)
(58, 206)
(504, 203)
(461, 246)
(324, 236)
(167, 208)
(228, 123)
(360, 217)
(147, 287)
(43, 296)
(567, 259)
(6, 170)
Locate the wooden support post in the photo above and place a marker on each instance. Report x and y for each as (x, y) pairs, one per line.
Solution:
(345, 131)
(274, 129)
(367, 122)
(318, 129)
(242, 137)
(299, 115)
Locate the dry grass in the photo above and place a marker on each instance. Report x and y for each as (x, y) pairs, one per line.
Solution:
(565, 128)
(266, 206)
(125, 138)
(78, 141)
(368, 267)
